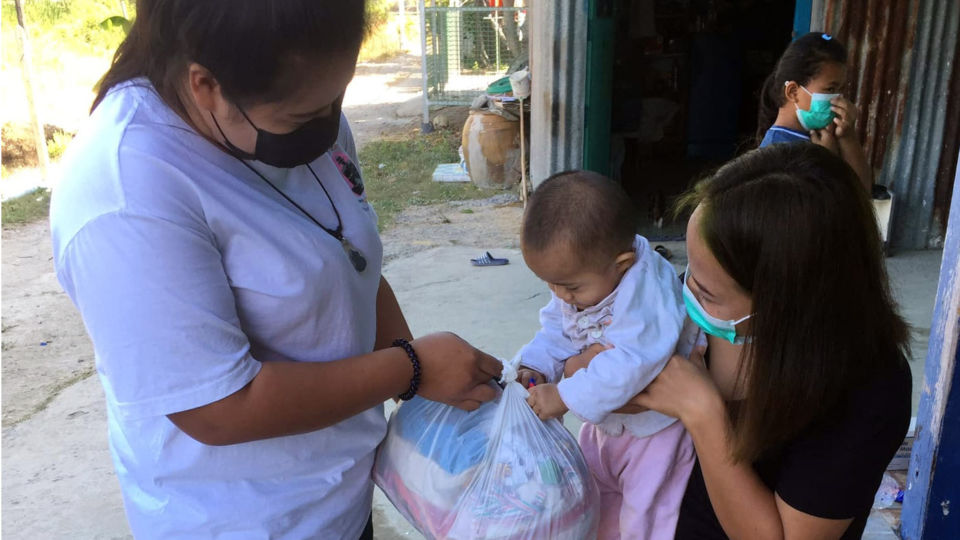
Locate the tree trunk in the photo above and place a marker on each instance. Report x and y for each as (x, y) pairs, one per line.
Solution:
(39, 138)
(510, 29)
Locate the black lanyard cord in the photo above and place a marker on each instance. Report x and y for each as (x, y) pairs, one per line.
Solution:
(336, 233)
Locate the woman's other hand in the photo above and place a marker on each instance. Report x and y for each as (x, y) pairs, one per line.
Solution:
(454, 372)
(684, 390)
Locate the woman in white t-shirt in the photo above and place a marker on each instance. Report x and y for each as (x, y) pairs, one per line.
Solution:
(212, 228)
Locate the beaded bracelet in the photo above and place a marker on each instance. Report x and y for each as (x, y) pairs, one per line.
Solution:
(415, 380)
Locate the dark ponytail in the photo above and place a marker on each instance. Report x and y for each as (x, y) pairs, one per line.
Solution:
(254, 48)
(769, 105)
(800, 62)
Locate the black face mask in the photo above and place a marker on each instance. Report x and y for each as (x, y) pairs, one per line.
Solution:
(301, 146)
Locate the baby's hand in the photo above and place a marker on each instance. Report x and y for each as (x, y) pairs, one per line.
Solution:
(525, 375)
(582, 360)
(545, 401)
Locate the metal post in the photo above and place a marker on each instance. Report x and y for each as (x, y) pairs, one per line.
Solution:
(558, 57)
(523, 160)
(931, 505)
(402, 25)
(496, 37)
(40, 139)
(425, 125)
(817, 16)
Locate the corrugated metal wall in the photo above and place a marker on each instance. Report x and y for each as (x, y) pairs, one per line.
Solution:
(946, 174)
(902, 57)
(558, 73)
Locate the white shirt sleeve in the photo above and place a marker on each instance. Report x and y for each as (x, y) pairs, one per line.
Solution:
(157, 305)
(647, 321)
(549, 349)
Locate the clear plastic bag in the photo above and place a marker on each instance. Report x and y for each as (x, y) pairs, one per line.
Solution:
(497, 472)
(888, 493)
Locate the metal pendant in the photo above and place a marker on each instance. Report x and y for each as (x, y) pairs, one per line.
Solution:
(357, 259)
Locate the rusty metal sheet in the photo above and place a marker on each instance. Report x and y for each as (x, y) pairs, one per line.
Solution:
(947, 170)
(902, 57)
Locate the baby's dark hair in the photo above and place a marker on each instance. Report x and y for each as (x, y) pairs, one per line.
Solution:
(586, 210)
(800, 63)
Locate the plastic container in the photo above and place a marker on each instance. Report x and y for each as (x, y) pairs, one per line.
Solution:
(520, 82)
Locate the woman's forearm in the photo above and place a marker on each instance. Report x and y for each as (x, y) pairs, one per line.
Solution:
(391, 324)
(745, 507)
(287, 398)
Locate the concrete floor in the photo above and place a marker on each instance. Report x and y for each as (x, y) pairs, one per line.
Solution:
(495, 309)
(913, 278)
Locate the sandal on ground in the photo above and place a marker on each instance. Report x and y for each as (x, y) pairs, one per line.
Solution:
(489, 260)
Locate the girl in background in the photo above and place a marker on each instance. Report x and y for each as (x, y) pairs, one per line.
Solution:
(801, 102)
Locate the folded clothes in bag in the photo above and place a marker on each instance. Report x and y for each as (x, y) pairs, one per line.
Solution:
(496, 472)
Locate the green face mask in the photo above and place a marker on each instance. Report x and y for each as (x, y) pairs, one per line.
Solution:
(820, 115)
(708, 323)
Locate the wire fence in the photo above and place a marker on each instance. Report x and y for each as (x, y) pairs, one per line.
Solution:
(469, 46)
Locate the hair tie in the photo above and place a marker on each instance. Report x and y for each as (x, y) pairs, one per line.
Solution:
(826, 37)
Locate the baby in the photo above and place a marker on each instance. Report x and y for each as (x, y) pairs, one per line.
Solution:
(615, 317)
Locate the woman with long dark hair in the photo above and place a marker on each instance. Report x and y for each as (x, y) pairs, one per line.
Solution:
(212, 228)
(805, 393)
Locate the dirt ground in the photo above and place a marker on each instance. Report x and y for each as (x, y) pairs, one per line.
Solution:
(486, 224)
(45, 347)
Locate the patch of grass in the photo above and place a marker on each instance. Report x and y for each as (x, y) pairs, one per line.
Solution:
(26, 208)
(19, 148)
(57, 145)
(379, 46)
(405, 177)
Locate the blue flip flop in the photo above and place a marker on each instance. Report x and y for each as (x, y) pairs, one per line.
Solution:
(488, 260)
